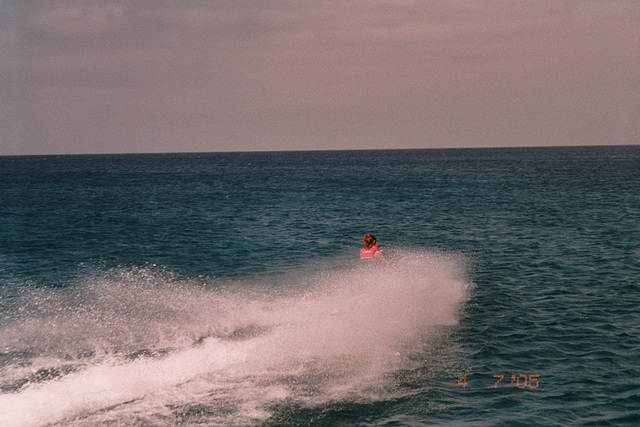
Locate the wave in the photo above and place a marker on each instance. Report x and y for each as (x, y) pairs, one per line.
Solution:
(139, 345)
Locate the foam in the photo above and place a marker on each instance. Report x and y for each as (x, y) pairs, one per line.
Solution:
(325, 336)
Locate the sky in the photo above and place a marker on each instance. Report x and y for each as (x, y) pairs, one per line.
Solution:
(87, 77)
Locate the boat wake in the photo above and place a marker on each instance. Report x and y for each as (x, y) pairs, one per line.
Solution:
(141, 346)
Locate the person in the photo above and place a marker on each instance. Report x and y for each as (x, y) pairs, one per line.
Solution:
(371, 250)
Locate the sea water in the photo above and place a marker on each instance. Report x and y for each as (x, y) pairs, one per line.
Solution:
(226, 289)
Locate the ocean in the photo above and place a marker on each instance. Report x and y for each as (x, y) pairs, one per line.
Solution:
(226, 288)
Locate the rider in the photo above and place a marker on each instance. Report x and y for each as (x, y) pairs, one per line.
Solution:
(370, 250)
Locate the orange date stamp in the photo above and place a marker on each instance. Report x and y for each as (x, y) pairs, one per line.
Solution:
(521, 381)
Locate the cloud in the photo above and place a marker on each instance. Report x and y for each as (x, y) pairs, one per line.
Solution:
(64, 21)
(197, 76)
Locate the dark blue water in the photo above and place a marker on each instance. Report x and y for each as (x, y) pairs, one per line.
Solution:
(225, 289)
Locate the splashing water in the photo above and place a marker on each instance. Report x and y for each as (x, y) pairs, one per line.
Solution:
(136, 345)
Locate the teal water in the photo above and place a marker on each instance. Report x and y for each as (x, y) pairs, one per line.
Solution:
(225, 289)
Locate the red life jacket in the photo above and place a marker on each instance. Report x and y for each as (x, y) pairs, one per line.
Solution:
(368, 252)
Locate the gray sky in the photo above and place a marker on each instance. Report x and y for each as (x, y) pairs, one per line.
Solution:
(183, 76)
